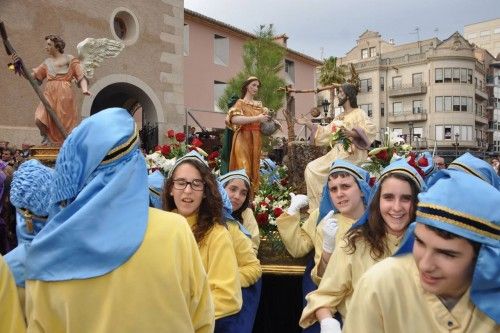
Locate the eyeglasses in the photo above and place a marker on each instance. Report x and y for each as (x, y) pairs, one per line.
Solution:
(196, 184)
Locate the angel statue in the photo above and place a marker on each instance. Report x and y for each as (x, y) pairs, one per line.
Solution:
(60, 70)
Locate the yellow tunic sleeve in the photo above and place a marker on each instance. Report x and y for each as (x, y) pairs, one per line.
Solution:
(248, 265)
(201, 308)
(344, 224)
(236, 110)
(298, 240)
(11, 315)
(250, 223)
(222, 271)
(335, 286)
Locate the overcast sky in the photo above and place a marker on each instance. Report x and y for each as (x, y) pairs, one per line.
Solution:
(323, 28)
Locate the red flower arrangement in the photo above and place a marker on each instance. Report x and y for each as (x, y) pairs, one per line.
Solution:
(269, 203)
(177, 147)
(411, 159)
(180, 137)
(271, 198)
(197, 142)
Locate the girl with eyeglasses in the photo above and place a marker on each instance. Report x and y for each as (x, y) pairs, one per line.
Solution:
(191, 191)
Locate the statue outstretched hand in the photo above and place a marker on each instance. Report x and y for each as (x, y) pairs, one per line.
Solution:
(302, 120)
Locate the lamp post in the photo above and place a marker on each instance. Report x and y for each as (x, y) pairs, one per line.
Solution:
(456, 144)
(325, 104)
(410, 127)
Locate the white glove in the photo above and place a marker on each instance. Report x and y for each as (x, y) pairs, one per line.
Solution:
(330, 325)
(296, 203)
(330, 228)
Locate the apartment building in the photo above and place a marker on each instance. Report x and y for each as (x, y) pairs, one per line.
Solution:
(213, 53)
(494, 106)
(431, 92)
(485, 34)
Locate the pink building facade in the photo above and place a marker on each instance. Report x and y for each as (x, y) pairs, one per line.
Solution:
(213, 55)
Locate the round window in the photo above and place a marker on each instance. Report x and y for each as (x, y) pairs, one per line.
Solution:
(124, 26)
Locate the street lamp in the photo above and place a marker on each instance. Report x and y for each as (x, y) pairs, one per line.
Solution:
(410, 127)
(456, 144)
(325, 106)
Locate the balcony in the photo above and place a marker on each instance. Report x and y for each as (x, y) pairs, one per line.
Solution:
(481, 93)
(407, 90)
(416, 114)
(427, 143)
(481, 118)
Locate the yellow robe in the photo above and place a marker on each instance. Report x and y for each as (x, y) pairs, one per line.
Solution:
(389, 298)
(251, 225)
(219, 260)
(316, 171)
(340, 279)
(300, 240)
(246, 146)
(161, 288)
(248, 265)
(11, 314)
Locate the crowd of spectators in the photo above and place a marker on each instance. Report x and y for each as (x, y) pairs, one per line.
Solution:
(10, 159)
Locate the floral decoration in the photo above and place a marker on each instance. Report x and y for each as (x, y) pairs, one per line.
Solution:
(417, 164)
(392, 148)
(164, 156)
(269, 203)
(338, 136)
(214, 162)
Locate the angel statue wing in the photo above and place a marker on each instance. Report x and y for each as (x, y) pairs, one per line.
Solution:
(92, 52)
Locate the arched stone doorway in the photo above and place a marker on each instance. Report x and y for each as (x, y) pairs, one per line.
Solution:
(133, 95)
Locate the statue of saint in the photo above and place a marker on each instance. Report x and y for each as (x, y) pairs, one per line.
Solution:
(59, 70)
(355, 124)
(245, 118)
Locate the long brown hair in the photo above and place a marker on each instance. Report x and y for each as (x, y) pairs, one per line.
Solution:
(374, 230)
(210, 211)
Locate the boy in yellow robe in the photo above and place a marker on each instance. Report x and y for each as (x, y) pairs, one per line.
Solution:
(451, 283)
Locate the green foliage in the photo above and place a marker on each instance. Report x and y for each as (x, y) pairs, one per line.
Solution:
(330, 73)
(263, 58)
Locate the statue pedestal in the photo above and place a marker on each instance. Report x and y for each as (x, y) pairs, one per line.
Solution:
(45, 154)
(299, 154)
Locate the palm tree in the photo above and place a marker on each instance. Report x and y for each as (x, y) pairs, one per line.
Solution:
(264, 58)
(330, 73)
